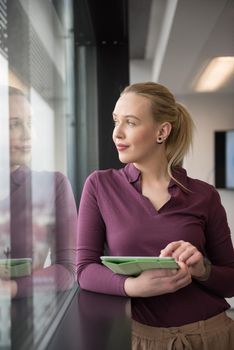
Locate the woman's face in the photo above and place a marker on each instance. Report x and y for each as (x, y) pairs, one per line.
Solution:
(20, 131)
(135, 132)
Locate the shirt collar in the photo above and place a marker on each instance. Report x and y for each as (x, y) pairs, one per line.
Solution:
(19, 175)
(132, 173)
(180, 174)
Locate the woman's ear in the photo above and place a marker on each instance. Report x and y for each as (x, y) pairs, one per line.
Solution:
(163, 132)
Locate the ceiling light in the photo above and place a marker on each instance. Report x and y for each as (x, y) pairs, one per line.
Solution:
(217, 72)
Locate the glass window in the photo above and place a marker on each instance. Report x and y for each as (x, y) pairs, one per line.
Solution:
(37, 207)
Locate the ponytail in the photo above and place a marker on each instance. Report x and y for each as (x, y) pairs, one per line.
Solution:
(180, 138)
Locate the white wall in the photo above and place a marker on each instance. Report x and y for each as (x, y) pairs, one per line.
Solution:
(140, 70)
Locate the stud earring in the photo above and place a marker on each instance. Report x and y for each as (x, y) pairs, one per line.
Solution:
(160, 139)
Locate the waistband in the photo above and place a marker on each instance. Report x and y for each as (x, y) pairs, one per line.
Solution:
(204, 326)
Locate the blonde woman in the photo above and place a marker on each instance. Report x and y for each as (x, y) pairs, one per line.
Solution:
(151, 207)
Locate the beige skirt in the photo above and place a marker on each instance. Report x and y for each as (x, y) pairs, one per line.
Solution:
(216, 333)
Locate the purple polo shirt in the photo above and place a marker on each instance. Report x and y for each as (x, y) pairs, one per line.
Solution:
(114, 215)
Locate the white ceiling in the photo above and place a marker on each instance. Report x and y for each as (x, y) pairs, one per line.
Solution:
(172, 40)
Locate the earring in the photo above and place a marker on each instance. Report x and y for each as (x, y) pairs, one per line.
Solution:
(160, 139)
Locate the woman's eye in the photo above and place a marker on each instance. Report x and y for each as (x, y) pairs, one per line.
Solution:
(130, 123)
(14, 124)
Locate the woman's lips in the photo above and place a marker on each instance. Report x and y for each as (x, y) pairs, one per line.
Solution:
(25, 148)
(121, 147)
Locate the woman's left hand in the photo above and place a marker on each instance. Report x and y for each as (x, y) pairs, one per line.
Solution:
(187, 253)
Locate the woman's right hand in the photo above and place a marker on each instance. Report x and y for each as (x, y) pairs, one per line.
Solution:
(157, 282)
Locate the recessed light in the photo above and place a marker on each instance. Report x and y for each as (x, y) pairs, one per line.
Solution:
(217, 72)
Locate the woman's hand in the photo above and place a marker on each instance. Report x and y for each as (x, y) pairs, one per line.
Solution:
(185, 252)
(157, 282)
(8, 288)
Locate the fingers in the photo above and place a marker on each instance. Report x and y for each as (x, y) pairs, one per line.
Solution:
(182, 251)
(8, 288)
(170, 248)
(185, 252)
(194, 259)
(182, 272)
(157, 282)
(181, 279)
(156, 273)
(176, 279)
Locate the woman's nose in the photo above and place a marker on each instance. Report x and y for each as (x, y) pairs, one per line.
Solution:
(118, 132)
(26, 132)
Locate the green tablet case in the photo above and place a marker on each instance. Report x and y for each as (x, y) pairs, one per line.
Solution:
(133, 266)
(13, 268)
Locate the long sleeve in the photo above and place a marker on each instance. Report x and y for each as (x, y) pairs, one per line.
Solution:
(219, 250)
(92, 275)
(66, 226)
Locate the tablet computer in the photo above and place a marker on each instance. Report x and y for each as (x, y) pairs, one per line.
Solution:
(134, 265)
(13, 268)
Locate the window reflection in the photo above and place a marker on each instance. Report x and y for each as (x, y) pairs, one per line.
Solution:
(37, 207)
(42, 207)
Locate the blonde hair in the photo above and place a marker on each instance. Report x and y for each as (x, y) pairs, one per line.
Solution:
(166, 109)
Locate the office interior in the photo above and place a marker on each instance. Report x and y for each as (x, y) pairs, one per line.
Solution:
(69, 61)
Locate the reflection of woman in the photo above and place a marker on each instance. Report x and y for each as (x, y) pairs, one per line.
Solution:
(42, 210)
(151, 207)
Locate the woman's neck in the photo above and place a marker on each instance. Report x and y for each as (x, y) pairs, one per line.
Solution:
(154, 171)
(14, 168)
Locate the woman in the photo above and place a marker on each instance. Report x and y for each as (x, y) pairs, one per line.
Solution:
(151, 208)
(43, 215)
